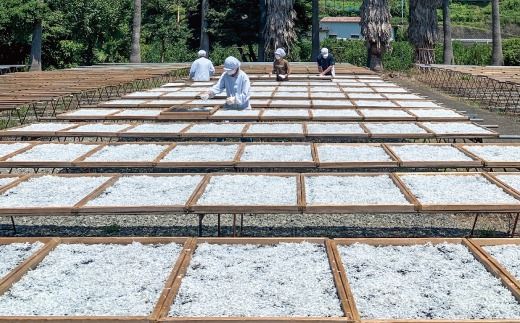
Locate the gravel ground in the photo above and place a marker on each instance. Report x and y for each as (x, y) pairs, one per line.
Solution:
(268, 225)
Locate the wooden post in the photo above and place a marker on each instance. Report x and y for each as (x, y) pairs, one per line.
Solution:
(261, 40)
(204, 38)
(315, 30)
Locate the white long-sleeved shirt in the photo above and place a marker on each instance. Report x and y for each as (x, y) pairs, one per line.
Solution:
(201, 69)
(238, 87)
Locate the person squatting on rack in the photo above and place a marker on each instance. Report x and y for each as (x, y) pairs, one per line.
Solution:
(281, 66)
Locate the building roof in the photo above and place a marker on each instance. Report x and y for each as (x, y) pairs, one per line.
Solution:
(341, 19)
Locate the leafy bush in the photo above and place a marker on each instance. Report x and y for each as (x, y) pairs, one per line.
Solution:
(511, 50)
(347, 51)
(400, 57)
(218, 54)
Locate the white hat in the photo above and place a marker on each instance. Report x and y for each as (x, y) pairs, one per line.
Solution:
(202, 53)
(280, 52)
(324, 51)
(231, 63)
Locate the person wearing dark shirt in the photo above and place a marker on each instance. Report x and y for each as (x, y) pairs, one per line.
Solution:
(325, 63)
(281, 66)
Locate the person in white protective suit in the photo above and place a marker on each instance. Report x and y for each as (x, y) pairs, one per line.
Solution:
(202, 68)
(237, 86)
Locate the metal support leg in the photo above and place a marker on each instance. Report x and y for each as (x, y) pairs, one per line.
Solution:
(218, 226)
(474, 224)
(13, 224)
(201, 217)
(513, 230)
(234, 225)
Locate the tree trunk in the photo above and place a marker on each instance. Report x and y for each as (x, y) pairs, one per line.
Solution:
(375, 58)
(498, 58)
(261, 39)
(242, 54)
(135, 55)
(423, 30)
(36, 47)
(425, 55)
(252, 55)
(448, 46)
(315, 29)
(204, 38)
(163, 49)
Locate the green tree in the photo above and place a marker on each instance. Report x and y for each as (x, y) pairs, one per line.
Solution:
(19, 20)
(166, 30)
(235, 23)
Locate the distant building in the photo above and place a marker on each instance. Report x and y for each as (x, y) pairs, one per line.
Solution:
(341, 28)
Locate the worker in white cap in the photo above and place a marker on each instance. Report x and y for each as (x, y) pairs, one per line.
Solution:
(281, 66)
(236, 83)
(202, 68)
(325, 62)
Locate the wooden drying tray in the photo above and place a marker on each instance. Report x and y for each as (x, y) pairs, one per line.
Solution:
(495, 175)
(192, 208)
(257, 209)
(490, 261)
(138, 103)
(72, 132)
(187, 113)
(185, 133)
(418, 135)
(197, 164)
(437, 119)
(176, 114)
(409, 117)
(133, 95)
(35, 210)
(82, 162)
(82, 208)
(276, 164)
(68, 116)
(474, 163)
(215, 117)
(414, 241)
(265, 117)
(9, 279)
(356, 117)
(358, 208)
(356, 164)
(344, 135)
(16, 132)
(4, 161)
(236, 161)
(490, 133)
(489, 163)
(127, 134)
(112, 116)
(289, 103)
(34, 261)
(345, 301)
(247, 134)
(478, 208)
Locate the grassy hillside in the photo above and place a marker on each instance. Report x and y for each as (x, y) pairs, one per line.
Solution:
(466, 14)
